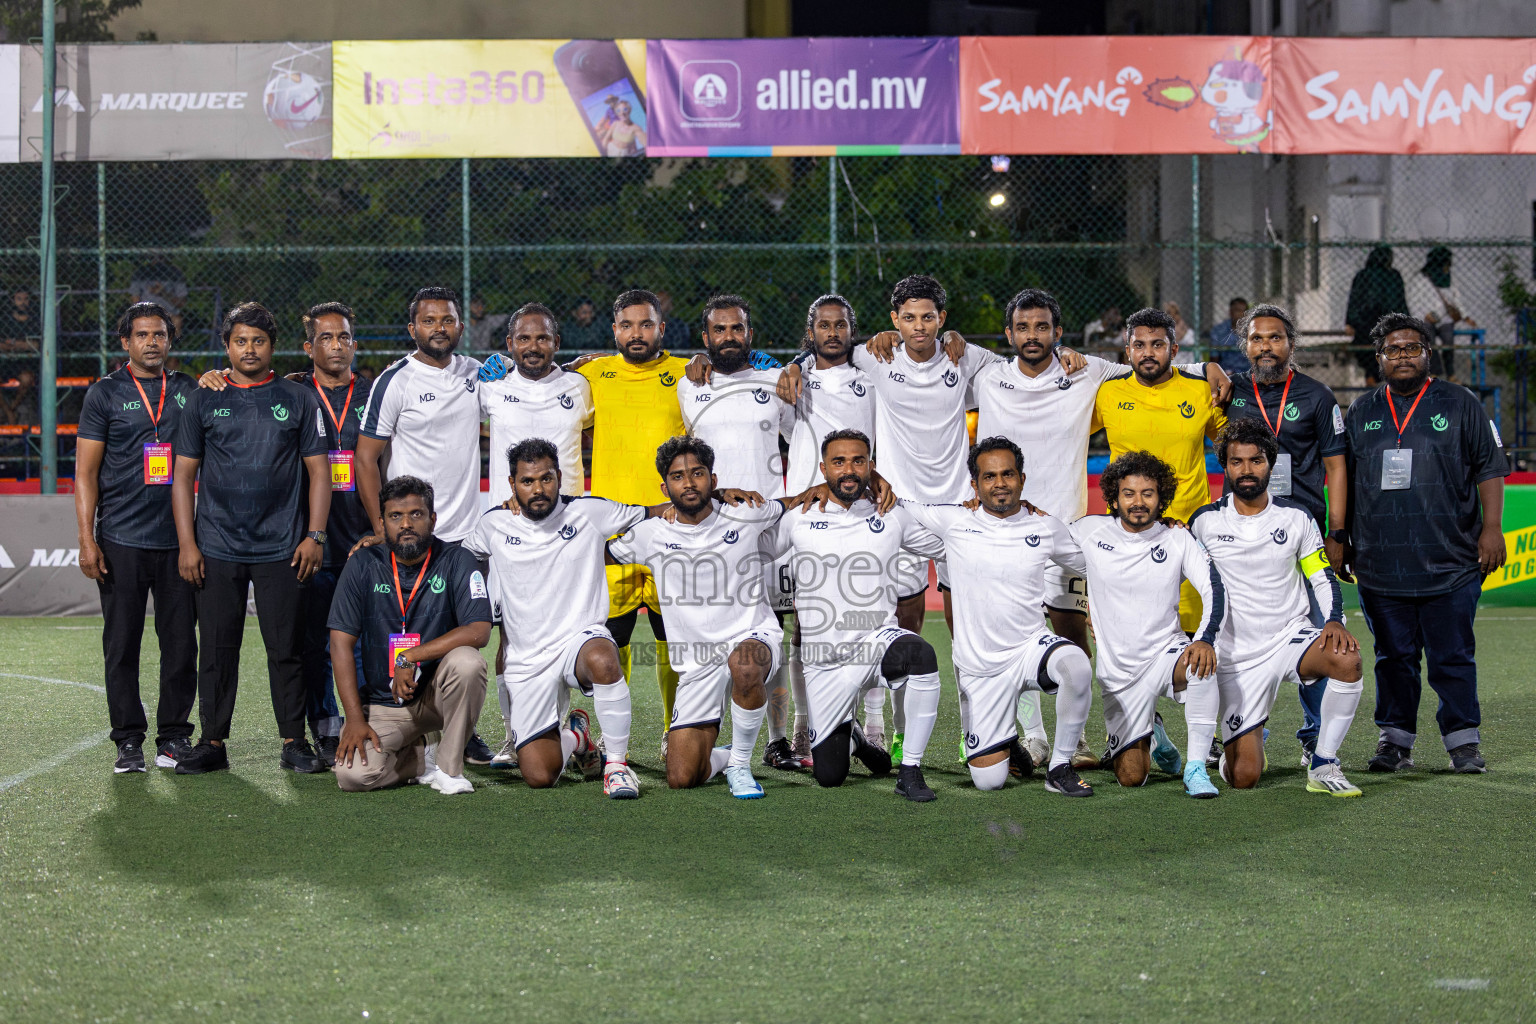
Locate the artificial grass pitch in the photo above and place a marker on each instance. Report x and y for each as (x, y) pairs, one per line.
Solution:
(259, 895)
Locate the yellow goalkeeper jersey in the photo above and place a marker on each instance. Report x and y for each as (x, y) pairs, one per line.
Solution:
(1171, 420)
(636, 410)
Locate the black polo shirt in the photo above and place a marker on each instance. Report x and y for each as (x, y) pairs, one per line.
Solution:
(252, 442)
(1311, 428)
(1422, 540)
(129, 511)
(348, 523)
(366, 606)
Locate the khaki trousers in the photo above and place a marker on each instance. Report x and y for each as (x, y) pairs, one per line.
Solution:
(450, 705)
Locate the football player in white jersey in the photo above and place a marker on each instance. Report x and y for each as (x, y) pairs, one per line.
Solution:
(724, 640)
(999, 554)
(1268, 550)
(851, 564)
(1136, 563)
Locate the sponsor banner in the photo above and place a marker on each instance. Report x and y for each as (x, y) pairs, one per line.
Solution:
(40, 559)
(507, 97)
(10, 104)
(1406, 95)
(183, 101)
(766, 97)
(1520, 546)
(1116, 94)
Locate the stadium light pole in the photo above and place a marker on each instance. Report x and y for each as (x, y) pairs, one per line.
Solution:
(47, 384)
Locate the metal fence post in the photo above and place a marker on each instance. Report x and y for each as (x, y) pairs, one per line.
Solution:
(1194, 249)
(47, 382)
(101, 269)
(832, 221)
(464, 236)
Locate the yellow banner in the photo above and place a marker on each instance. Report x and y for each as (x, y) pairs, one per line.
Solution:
(1521, 566)
(508, 97)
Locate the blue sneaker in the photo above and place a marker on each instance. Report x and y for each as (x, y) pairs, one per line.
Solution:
(1164, 754)
(743, 785)
(1197, 783)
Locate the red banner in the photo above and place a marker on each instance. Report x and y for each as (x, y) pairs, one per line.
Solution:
(1405, 95)
(1116, 94)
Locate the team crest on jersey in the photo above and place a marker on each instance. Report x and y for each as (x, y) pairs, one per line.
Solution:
(566, 403)
(1062, 383)
(1234, 722)
(667, 380)
(1033, 540)
(856, 388)
(181, 402)
(469, 385)
(876, 525)
(731, 537)
(1186, 410)
(951, 378)
(567, 531)
(1439, 422)
(1158, 554)
(972, 741)
(760, 396)
(359, 411)
(1291, 412)
(436, 584)
(280, 413)
(1278, 536)
(1114, 742)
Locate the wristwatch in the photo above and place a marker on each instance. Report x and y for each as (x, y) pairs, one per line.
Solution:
(400, 661)
(1337, 535)
(318, 536)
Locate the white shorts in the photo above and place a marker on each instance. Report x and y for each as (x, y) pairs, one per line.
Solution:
(1128, 713)
(703, 690)
(1064, 591)
(540, 693)
(1248, 687)
(833, 690)
(991, 702)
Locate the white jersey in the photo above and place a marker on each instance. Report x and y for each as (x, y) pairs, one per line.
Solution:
(1049, 417)
(741, 417)
(1133, 588)
(849, 573)
(920, 421)
(709, 578)
(431, 419)
(997, 573)
(837, 398)
(529, 557)
(1266, 561)
(556, 407)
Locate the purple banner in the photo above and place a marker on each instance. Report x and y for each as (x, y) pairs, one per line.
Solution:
(784, 97)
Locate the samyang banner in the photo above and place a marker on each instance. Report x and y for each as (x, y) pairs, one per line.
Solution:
(1116, 94)
(1405, 95)
(792, 97)
(182, 101)
(491, 97)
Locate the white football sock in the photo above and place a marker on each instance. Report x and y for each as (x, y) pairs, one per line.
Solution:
(1031, 722)
(745, 725)
(611, 702)
(1337, 712)
(719, 757)
(1202, 707)
(568, 745)
(922, 710)
(504, 698)
(778, 705)
(797, 689)
(874, 709)
(992, 776)
(1070, 670)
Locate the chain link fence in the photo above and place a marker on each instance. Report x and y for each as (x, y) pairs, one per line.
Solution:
(1106, 235)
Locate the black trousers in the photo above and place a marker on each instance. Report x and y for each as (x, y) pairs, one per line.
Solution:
(221, 621)
(132, 575)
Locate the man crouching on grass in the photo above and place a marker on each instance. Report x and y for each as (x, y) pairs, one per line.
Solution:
(423, 612)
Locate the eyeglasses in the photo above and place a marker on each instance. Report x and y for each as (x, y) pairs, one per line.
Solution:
(1412, 350)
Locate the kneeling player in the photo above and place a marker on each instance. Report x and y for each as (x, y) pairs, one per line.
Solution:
(998, 555)
(723, 638)
(1135, 567)
(1268, 550)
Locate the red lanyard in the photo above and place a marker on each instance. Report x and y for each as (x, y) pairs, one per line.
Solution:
(344, 406)
(1280, 416)
(269, 376)
(1404, 425)
(405, 602)
(154, 417)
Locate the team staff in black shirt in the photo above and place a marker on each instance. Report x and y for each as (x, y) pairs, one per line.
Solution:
(249, 449)
(123, 465)
(1425, 527)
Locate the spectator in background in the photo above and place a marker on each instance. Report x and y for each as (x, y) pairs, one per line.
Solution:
(1376, 290)
(1432, 295)
(583, 331)
(162, 282)
(484, 331)
(19, 326)
(1182, 332)
(1227, 345)
(18, 402)
(1105, 328)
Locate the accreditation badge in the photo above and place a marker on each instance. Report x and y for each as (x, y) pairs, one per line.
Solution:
(341, 470)
(157, 462)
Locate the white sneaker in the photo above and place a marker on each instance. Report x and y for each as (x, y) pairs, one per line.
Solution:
(1329, 778)
(426, 778)
(663, 750)
(619, 783)
(451, 785)
(586, 758)
(874, 733)
(431, 759)
(1039, 753)
(506, 757)
(801, 745)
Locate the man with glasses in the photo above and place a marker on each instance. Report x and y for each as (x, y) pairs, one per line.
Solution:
(1424, 529)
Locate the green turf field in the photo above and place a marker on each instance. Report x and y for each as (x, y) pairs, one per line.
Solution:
(258, 895)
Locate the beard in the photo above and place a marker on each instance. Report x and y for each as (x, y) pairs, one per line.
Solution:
(539, 514)
(698, 502)
(1249, 487)
(728, 359)
(1271, 373)
(848, 488)
(409, 547)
